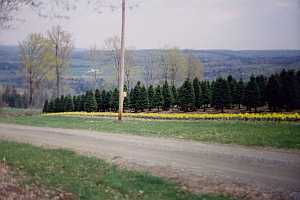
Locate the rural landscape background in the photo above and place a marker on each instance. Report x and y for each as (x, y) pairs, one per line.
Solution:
(211, 93)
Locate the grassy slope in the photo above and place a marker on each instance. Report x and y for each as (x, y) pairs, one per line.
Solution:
(270, 134)
(89, 178)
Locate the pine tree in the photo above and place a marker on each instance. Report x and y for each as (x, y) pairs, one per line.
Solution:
(103, 103)
(51, 106)
(61, 106)
(197, 90)
(167, 98)
(57, 105)
(144, 99)
(205, 94)
(233, 91)
(90, 103)
(98, 99)
(261, 83)
(298, 90)
(69, 105)
(288, 83)
(174, 96)
(273, 92)
(151, 97)
(115, 100)
(158, 97)
(221, 94)
(126, 99)
(240, 92)
(251, 97)
(137, 97)
(186, 96)
(45, 108)
(132, 99)
(82, 103)
(108, 100)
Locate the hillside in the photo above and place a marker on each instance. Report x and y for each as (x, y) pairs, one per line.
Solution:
(241, 64)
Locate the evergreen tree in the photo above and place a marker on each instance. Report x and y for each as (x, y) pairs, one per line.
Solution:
(197, 90)
(132, 100)
(221, 94)
(57, 105)
(61, 104)
(158, 97)
(298, 90)
(167, 98)
(174, 96)
(261, 83)
(69, 105)
(288, 83)
(233, 90)
(82, 103)
(103, 103)
(108, 100)
(90, 102)
(273, 92)
(98, 99)
(240, 92)
(186, 96)
(205, 94)
(45, 108)
(151, 97)
(251, 97)
(51, 107)
(115, 100)
(144, 99)
(137, 97)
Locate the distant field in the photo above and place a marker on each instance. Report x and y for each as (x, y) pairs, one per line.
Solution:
(249, 133)
(88, 178)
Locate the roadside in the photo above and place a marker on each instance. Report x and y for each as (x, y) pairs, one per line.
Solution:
(199, 167)
(13, 186)
(87, 178)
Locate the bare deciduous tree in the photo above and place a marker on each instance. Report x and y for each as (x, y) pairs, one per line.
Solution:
(62, 47)
(36, 57)
(195, 68)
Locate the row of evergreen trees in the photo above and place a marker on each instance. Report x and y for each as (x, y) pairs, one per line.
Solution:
(279, 92)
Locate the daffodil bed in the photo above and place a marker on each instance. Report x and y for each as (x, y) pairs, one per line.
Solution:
(189, 116)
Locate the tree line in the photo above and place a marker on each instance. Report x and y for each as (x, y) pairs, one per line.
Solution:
(280, 91)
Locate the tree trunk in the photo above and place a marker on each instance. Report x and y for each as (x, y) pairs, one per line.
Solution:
(121, 71)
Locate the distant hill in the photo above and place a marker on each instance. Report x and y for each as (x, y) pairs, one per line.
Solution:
(240, 64)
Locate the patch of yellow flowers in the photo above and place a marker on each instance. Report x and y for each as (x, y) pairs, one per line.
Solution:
(241, 116)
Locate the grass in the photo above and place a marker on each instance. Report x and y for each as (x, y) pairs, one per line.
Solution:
(249, 133)
(89, 178)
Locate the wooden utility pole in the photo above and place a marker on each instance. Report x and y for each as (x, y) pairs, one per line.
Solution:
(122, 64)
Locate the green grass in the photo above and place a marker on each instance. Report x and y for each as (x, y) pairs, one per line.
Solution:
(248, 133)
(90, 178)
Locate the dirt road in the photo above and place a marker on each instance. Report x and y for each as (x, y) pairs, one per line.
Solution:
(200, 167)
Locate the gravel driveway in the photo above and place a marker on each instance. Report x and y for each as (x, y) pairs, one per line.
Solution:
(199, 167)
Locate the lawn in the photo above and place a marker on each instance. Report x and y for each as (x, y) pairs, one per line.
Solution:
(249, 133)
(89, 178)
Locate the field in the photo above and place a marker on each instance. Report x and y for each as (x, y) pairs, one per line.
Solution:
(276, 134)
(87, 177)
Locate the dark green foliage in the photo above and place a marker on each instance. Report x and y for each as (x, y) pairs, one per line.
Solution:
(233, 90)
(151, 97)
(174, 96)
(114, 102)
(68, 104)
(144, 102)
(167, 98)
(252, 95)
(240, 90)
(126, 99)
(273, 92)
(51, 107)
(288, 83)
(45, 107)
(261, 83)
(136, 97)
(98, 99)
(131, 99)
(186, 96)
(82, 103)
(205, 94)
(197, 90)
(90, 102)
(158, 98)
(221, 94)
(12, 98)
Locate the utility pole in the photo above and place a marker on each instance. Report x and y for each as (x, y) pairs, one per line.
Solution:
(121, 70)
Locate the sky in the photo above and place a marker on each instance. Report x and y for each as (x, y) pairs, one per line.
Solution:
(186, 24)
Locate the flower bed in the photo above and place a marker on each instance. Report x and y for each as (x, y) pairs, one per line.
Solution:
(189, 116)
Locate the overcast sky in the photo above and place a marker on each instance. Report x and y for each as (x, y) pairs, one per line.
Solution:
(196, 24)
